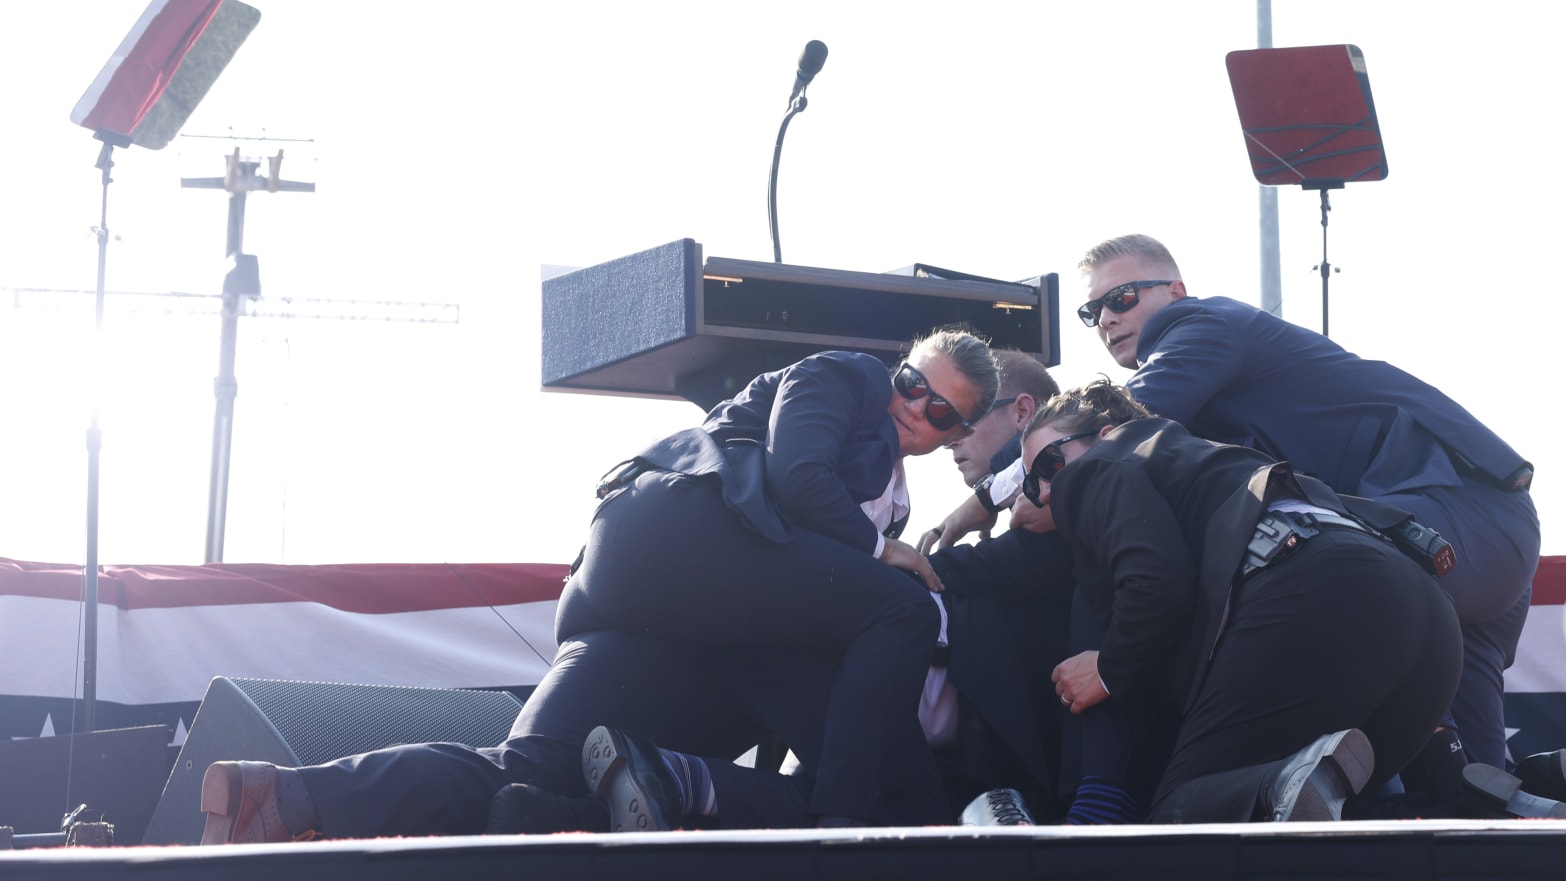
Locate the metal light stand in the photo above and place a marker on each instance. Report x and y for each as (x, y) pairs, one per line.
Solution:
(94, 447)
(1326, 268)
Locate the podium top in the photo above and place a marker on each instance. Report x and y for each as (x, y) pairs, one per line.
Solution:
(664, 323)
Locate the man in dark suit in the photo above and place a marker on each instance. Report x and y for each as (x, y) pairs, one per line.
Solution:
(1234, 373)
(1009, 604)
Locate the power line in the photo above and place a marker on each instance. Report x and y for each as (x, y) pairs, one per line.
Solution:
(191, 303)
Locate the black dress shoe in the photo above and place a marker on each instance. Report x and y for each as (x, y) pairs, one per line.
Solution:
(632, 779)
(998, 807)
(520, 809)
(1498, 795)
(1544, 774)
(1314, 782)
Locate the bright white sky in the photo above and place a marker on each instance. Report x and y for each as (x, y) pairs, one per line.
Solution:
(457, 150)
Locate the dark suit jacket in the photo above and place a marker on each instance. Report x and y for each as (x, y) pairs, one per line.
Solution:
(798, 447)
(1234, 373)
(1159, 521)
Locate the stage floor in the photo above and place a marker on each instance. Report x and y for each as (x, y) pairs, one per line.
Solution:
(1418, 849)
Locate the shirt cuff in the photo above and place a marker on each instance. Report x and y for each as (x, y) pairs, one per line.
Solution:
(1006, 483)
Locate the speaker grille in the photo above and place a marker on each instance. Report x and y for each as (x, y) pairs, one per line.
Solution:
(322, 721)
(293, 723)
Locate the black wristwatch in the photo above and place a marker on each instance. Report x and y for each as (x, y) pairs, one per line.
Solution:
(982, 490)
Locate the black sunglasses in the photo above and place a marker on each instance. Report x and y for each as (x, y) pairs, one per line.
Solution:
(939, 412)
(1118, 300)
(1047, 464)
(997, 405)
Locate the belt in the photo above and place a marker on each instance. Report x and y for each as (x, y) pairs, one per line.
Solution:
(942, 657)
(1319, 519)
(1279, 533)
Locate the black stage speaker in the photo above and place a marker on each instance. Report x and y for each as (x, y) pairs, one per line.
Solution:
(307, 723)
(115, 773)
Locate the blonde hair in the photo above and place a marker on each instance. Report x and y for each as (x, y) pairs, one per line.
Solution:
(1134, 245)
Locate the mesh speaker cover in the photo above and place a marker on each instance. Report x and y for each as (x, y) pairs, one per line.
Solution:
(306, 723)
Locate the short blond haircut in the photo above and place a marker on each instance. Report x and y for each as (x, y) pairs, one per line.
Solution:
(1135, 245)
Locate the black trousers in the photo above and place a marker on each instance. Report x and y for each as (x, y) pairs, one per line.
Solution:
(713, 701)
(1127, 746)
(1345, 633)
(665, 557)
(1496, 537)
(684, 626)
(1010, 601)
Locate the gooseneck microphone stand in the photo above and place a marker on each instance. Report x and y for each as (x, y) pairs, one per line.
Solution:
(810, 62)
(794, 109)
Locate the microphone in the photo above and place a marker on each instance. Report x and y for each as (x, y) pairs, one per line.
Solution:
(810, 62)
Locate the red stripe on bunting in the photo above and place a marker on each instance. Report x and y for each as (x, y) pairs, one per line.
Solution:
(375, 587)
(1549, 583)
(370, 588)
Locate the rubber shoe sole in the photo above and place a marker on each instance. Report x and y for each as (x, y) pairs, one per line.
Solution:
(1332, 770)
(998, 807)
(222, 790)
(606, 769)
(1501, 795)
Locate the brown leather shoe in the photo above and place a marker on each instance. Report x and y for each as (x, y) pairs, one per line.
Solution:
(240, 801)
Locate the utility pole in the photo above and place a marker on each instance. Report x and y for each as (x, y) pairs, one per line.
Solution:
(1271, 271)
(241, 283)
(240, 298)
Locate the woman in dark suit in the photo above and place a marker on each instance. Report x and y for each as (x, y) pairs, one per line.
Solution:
(773, 524)
(732, 573)
(1303, 654)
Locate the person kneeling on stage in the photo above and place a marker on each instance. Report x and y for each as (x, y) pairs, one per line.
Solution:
(765, 536)
(1304, 655)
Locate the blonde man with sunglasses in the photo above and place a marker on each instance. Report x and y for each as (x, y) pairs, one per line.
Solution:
(1234, 373)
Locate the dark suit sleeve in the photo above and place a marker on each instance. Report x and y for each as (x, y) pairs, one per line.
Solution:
(1189, 354)
(1016, 566)
(1126, 526)
(825, 417)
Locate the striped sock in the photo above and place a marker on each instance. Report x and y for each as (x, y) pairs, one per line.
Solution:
(1100, 802)
(697, 797)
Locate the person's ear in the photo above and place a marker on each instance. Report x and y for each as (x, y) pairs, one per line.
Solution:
(1177, 290)
(1026, 407)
